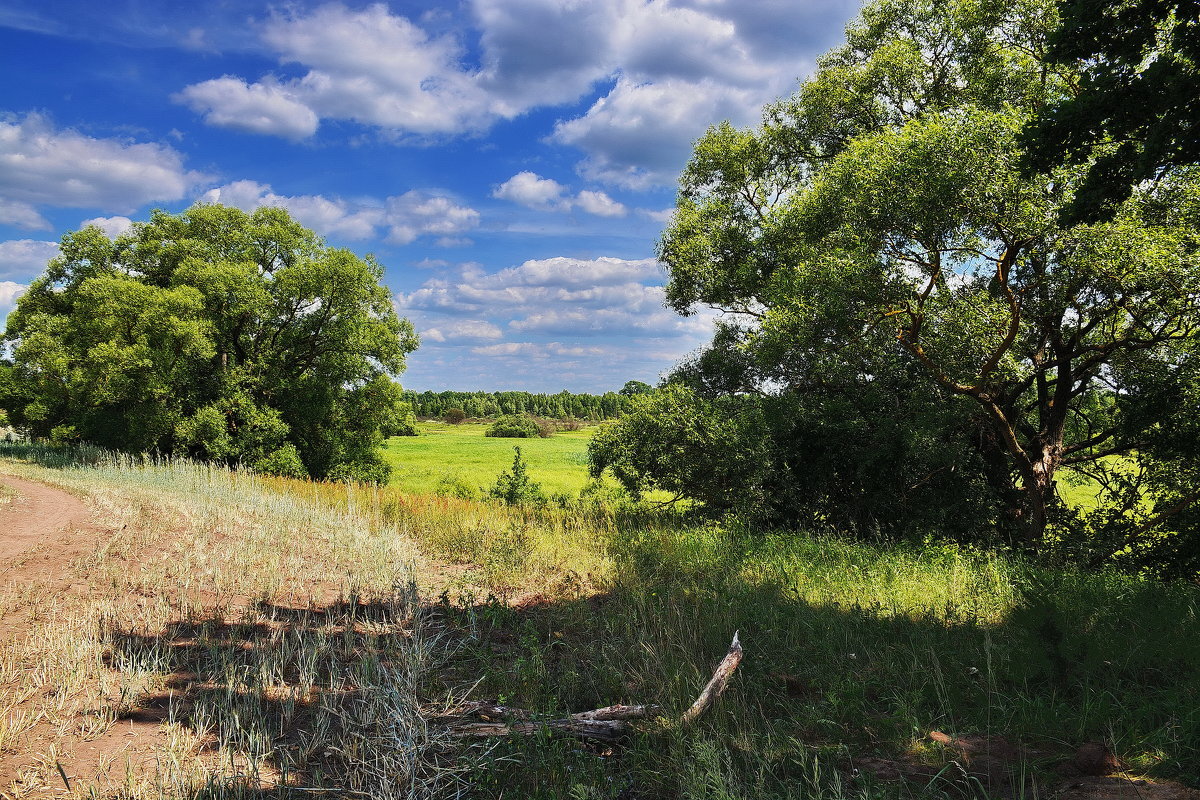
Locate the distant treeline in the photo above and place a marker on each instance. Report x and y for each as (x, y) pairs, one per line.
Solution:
(563, 405)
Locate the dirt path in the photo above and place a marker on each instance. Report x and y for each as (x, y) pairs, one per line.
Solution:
(43, 532)
(37, 514)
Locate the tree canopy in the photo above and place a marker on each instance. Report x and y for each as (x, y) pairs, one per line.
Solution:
(1136, 112)
(881, 257)
(216, 334)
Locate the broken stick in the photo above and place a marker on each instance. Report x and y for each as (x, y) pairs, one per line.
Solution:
(716, 685)
(605, 724)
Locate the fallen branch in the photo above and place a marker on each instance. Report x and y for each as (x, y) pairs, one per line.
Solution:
(606, 724)
(716, 685)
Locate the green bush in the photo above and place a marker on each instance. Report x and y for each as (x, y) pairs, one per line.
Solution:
(516, 487)
(514, 426)
(364, 471)
(455, 485)
(455, 416)
(284, 463)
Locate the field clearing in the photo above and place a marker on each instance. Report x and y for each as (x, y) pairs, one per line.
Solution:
(447, 452)
(263, 635)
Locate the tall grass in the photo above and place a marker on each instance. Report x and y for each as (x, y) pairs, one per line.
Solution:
(855, 651)
(281, 642)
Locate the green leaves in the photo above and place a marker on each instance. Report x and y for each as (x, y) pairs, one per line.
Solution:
(879, 224)
(216, 334)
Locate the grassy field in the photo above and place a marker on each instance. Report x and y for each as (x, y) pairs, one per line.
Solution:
(449, 453)
(855, 652)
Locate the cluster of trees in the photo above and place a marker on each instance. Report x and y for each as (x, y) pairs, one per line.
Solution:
(929, 323)
(563, 405)
(223, 336)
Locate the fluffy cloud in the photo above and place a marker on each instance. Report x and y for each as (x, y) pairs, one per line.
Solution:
(22, 215)
(24, 259)
(416, 213)
(9, 292)
(405, 217)
(605, 313)
(600, 204)
(40, 165)
(112, 226)
(673, 67)
(640, 134)
(459, 330)
(264, 107)
(533, 191)
(369, 66)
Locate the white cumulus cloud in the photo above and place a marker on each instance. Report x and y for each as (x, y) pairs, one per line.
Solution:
(265, 107)
(672, 68)
(112, 226)
(41, 165)
(9, 293)
(22, 215)
(532, 191)
(24, 259)
(460, 330)
(600, 204)
(404, 217)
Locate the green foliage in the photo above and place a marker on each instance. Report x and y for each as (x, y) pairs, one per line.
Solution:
(670, 440)
(514, 426)
(453, 484)
(214, 334)
(515, 487)
(632, 388)
(1133, 116)
(561, 406)
(455, 416)
(877, 228)
(403, 421)
(284, 463)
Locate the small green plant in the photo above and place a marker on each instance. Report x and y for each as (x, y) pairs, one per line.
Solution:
(515, 487)
(514, 426)
(284, 462)
(453, 484)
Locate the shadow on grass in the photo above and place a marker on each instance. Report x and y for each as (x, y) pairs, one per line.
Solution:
(980, 692)
(288, 701)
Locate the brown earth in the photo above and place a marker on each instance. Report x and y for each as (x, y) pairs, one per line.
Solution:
(44, 531)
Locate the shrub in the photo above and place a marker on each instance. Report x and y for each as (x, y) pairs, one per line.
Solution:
(515, 487)
(371, 472)
(514, 426)
(455, 485)
(455, 416)
(284, 463)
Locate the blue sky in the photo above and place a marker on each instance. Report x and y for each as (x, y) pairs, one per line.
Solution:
(510, 162)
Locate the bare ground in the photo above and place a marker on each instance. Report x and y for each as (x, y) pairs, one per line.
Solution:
(44, 532)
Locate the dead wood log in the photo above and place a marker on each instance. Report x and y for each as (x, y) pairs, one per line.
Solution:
(716, 685)
(606, 724)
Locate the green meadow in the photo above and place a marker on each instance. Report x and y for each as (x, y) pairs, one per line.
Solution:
(462, 454)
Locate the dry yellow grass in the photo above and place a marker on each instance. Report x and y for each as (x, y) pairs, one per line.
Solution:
(214, 638)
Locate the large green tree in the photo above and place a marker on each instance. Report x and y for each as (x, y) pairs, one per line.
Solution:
(877, 228)
(221, 335)
(1136, 113)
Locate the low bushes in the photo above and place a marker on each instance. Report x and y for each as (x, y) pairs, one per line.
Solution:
(515, 426)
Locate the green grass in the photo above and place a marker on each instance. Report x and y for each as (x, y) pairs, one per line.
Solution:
(854, 650)
(448, 452)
